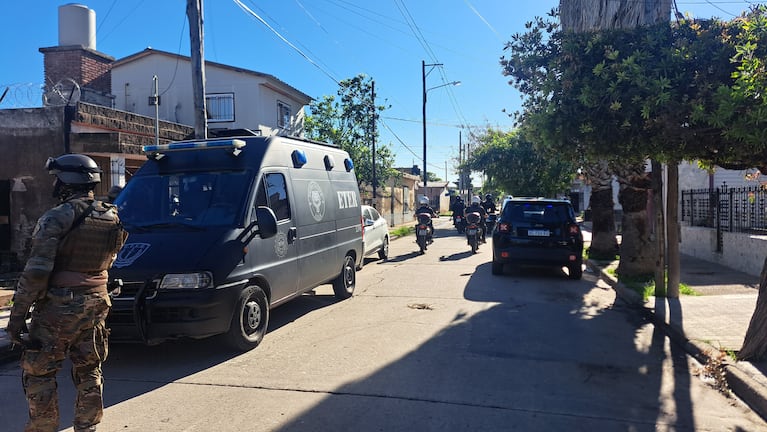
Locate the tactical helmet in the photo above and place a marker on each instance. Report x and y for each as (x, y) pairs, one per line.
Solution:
(489, 196)
(475, 199)
(74, 169)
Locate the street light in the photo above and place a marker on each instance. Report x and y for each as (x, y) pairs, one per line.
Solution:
(425, 90)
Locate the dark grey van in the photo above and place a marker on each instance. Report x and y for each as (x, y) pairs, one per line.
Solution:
(221, 231)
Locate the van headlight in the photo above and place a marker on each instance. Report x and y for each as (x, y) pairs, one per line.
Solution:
(186, 280)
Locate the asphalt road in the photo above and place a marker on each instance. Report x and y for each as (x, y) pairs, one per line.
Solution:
(429, 342)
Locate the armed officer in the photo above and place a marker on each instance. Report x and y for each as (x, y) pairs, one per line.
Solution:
(65, 279)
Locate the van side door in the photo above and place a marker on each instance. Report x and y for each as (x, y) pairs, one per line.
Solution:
(276, 257)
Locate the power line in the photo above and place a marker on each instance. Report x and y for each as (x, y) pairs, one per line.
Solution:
(402, 143)
(282, 38)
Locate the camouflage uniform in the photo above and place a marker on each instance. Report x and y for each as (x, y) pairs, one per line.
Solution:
(65, 279)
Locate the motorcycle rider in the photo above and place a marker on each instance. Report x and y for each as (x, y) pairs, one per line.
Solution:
(488, 204)
(476, 207)
(425, 208)
(458, 207)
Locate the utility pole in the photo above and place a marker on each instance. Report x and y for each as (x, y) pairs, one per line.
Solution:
(373, 134)
(460, 165)
(194, 14)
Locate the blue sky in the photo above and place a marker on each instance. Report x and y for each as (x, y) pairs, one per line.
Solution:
(338, 39)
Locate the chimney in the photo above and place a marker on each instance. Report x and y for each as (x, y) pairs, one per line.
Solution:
(75, 65)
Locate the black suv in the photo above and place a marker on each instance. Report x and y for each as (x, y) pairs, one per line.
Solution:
(538, 232)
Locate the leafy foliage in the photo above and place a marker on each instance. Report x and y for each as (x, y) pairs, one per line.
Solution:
(514, 165)
(628, 94)
(349, 122)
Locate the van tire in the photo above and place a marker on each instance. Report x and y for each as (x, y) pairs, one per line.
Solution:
(383, 253)
(343, 285)
(250, 319)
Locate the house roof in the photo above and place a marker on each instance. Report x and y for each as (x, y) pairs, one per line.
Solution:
(151, 51)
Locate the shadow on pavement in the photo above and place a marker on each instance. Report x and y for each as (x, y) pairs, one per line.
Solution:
(135, 369)
(538, 359)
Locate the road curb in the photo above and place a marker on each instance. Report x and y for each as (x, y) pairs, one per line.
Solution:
(743, 379)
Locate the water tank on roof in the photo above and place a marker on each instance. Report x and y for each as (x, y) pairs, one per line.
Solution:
(77, 26)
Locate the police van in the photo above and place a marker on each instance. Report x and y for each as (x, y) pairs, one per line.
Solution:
(223, 230)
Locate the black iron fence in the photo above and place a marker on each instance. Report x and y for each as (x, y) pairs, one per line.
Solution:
(726, 209)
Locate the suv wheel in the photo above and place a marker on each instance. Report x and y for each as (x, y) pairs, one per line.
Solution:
(497, 268)
(575, 271)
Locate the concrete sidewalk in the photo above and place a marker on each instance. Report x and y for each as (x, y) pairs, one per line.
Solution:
(708, 325)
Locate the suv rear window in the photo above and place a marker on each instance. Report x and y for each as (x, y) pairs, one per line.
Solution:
(546, 213)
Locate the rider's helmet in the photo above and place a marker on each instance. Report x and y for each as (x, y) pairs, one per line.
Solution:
(74, 173)
(475, 199)
(423, 201)
(489, 197)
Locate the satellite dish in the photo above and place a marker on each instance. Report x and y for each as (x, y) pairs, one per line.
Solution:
(64, 93)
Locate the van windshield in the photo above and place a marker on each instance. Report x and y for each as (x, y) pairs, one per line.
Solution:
(189, 199)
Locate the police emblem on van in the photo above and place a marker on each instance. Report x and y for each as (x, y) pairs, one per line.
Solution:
(130, 253)
(316, 201)
(281, 244)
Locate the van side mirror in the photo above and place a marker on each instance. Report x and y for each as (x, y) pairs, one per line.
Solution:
(267, 222)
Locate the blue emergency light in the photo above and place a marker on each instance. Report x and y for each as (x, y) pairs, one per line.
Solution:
(157, 152)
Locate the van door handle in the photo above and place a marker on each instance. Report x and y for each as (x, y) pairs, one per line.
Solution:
(292, 234)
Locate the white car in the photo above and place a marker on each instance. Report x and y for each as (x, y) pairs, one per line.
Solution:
(375, 233)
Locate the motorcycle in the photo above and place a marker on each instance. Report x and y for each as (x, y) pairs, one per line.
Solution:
(490, 223)
(423, 231)
(460, 223)
(473, 233)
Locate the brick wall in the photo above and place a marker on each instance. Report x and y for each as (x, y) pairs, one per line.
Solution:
(87, 67)
(29, 136)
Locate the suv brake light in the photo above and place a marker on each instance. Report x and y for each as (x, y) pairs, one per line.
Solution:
(574, 229)
(504, 227)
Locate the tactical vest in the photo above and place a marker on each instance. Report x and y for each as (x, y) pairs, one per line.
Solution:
(94, 239)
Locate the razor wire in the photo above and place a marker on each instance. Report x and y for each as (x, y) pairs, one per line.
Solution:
(21, 95)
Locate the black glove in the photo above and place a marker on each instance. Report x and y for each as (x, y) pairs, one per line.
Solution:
(17, 325)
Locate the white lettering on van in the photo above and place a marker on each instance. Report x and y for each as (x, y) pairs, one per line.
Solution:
(347, 199)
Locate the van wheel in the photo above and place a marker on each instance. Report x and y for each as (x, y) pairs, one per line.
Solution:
(343, 285)
(250, 319)
(384, 252)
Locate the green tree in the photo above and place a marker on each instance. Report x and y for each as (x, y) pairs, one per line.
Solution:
(349, 121)
(624, 95)
(515, 166)
(742, 111)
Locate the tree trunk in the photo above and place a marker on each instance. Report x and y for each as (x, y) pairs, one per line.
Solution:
(755, 343)
(587, 15)
(660, 229)
(604, 244)
(638, 250)
(672, 229)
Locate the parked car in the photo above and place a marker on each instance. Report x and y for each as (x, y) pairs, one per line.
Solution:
(375, 233)
(538, 232)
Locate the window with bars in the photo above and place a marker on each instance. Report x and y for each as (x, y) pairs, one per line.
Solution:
(220, 107)
(284, 114)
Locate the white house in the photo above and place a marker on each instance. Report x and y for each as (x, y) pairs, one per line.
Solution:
(236, 98)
